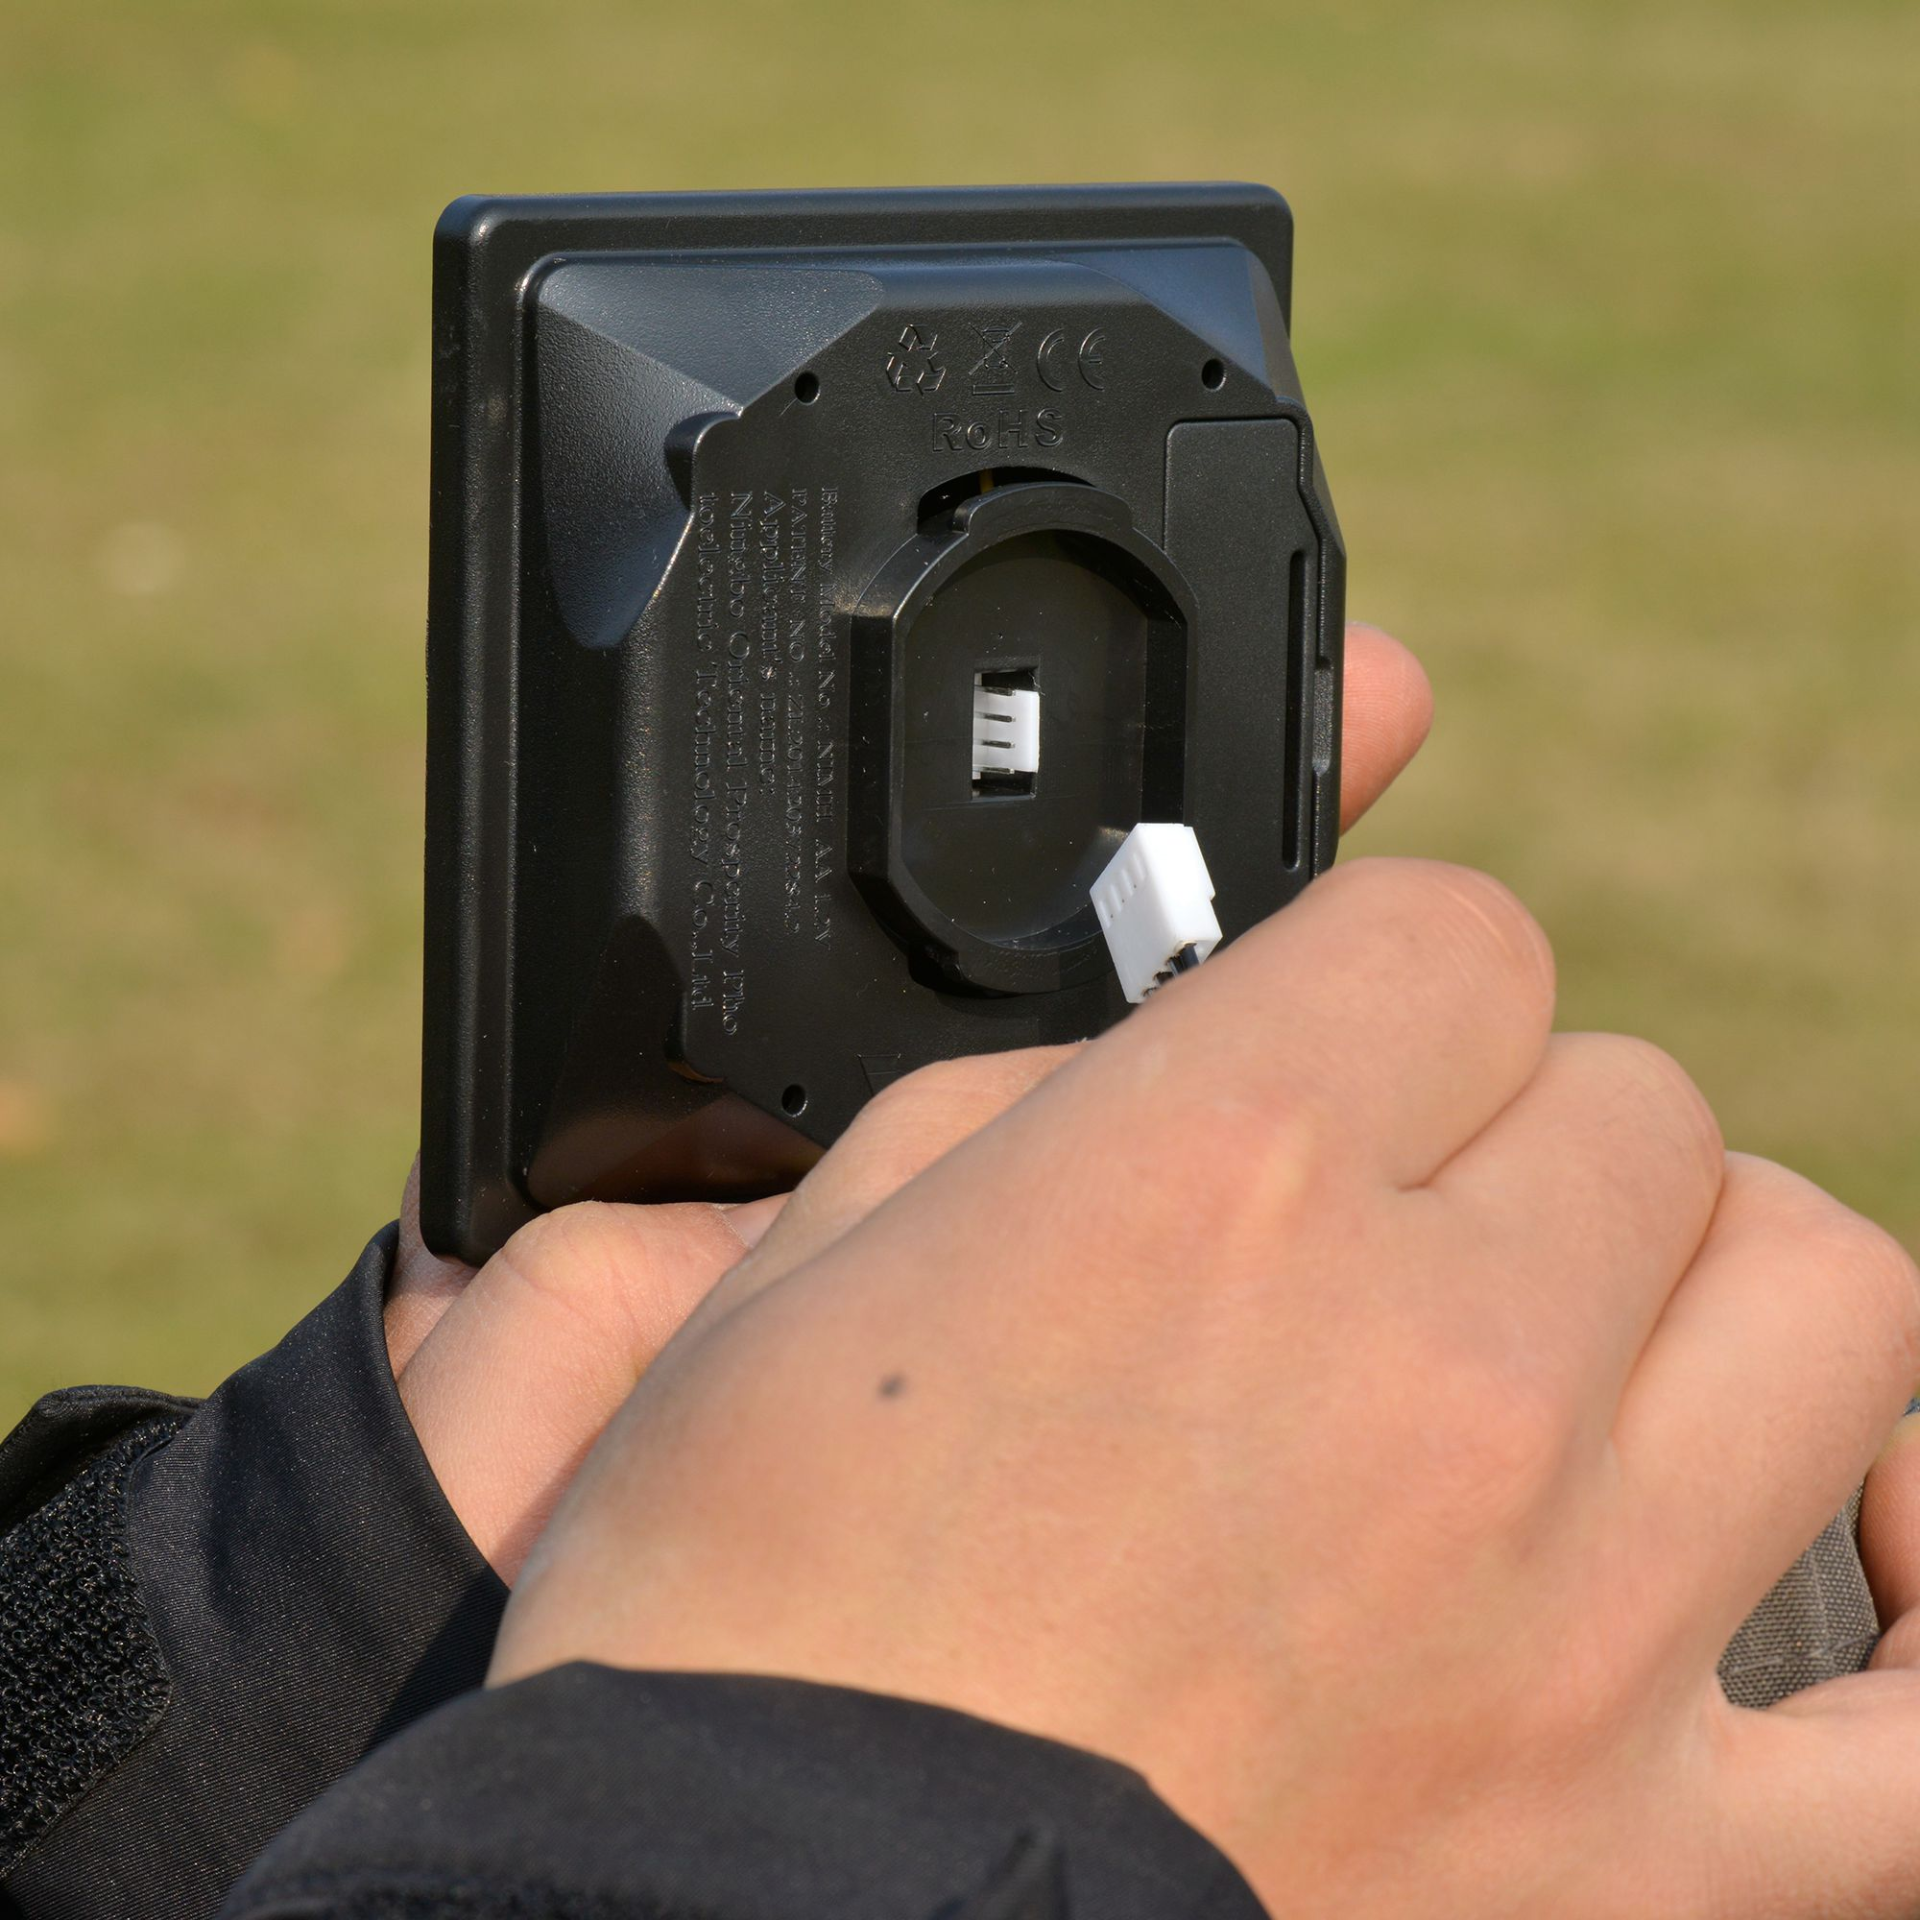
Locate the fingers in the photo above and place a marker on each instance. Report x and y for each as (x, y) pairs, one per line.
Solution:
(752, 1219)
(525, 1368)
(1355, 1041)
(424, 1285)
(1610, 1164)
(1778, 1369)
(1820, 1793)
(1394, 1009)
(1387, 709)
(1890, 1543)
(897, 1136)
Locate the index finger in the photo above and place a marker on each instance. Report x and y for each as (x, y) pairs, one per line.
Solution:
(1391, 1011)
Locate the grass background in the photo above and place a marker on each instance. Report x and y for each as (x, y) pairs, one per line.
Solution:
(1608, 313)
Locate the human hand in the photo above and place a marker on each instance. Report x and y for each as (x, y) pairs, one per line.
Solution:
(510, 1373)
(1367, 1415)
(1890, 1546)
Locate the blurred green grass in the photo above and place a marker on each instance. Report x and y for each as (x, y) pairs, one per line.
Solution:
(1608, 312)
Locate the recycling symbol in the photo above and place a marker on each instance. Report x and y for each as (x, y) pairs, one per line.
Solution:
(911, 367)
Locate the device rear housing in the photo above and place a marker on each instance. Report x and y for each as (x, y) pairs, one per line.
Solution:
(739, 503)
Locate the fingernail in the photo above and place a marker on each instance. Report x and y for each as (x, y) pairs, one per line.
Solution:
(750, 1219)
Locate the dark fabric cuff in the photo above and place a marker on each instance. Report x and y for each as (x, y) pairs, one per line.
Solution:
(593, 1790)
(81, 1679)
(308, 1591)
(64, 1433)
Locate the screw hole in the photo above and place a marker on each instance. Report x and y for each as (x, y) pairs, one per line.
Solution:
(1214, 374)
(807, 389)
(794, 1100)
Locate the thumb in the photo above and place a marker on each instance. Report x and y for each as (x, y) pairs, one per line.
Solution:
(1890, 1544)
(529, 1361)
(1823, 1793)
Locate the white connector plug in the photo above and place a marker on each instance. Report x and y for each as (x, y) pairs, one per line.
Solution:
(1154, 902)
(1006, 730)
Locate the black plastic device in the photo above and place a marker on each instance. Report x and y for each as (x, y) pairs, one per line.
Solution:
(738, 499)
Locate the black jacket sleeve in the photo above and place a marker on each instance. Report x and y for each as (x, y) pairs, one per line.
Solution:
(595, 1794)
(209, 1613)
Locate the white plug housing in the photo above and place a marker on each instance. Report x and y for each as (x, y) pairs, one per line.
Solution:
(1006, 730)
(1154, 903)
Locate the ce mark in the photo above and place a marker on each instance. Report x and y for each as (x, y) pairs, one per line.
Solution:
(1056, 359)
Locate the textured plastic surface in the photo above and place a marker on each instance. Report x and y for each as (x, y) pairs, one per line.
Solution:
(736, 499)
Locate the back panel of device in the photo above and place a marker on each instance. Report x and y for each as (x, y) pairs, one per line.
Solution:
(739, 503)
